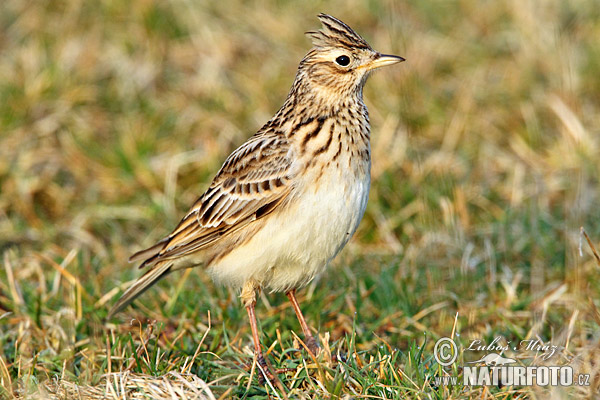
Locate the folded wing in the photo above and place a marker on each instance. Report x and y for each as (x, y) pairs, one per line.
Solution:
(253, 181)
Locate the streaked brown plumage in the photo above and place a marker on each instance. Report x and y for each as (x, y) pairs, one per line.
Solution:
(286, 201)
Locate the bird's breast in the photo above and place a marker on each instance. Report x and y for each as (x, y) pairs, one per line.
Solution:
(331, 179)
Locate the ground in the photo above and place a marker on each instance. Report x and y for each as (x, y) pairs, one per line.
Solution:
(114, 116)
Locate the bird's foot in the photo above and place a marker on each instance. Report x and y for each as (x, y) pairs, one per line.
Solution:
(312, 345)
(265, 370)
(266, 375)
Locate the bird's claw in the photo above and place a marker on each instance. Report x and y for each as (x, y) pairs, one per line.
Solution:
(265, 370)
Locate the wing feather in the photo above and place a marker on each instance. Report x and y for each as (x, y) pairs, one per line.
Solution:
(254, 180)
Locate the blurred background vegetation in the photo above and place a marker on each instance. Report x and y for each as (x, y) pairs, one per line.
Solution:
(114, 115)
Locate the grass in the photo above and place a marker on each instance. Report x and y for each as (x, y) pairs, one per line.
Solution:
(114, 115)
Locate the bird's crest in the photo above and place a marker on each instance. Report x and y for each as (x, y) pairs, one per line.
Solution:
(334, 33)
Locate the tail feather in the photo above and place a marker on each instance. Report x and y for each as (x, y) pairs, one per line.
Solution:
(140, 286)
(149, 252)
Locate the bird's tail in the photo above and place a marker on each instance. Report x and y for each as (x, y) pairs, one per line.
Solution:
(141, 285)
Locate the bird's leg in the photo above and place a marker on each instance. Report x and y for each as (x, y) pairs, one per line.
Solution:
(249, 299)
(260, 359)
(310, 341)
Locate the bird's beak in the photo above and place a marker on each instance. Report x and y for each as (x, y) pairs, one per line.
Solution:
(382, 60)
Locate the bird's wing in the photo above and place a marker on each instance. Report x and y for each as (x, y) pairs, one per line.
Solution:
(253, 181)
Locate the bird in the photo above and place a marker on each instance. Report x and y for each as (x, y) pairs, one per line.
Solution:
(286, 201)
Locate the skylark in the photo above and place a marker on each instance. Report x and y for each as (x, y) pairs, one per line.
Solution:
(285, 202)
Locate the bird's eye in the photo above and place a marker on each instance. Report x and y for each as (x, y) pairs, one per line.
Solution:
(343, 61)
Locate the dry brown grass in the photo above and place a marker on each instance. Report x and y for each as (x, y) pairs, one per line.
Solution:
(127, 386)
(114, 115)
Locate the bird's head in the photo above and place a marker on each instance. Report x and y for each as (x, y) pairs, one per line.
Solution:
(340, 61)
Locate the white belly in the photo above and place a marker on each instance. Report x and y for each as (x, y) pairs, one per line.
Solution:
(295, 245)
